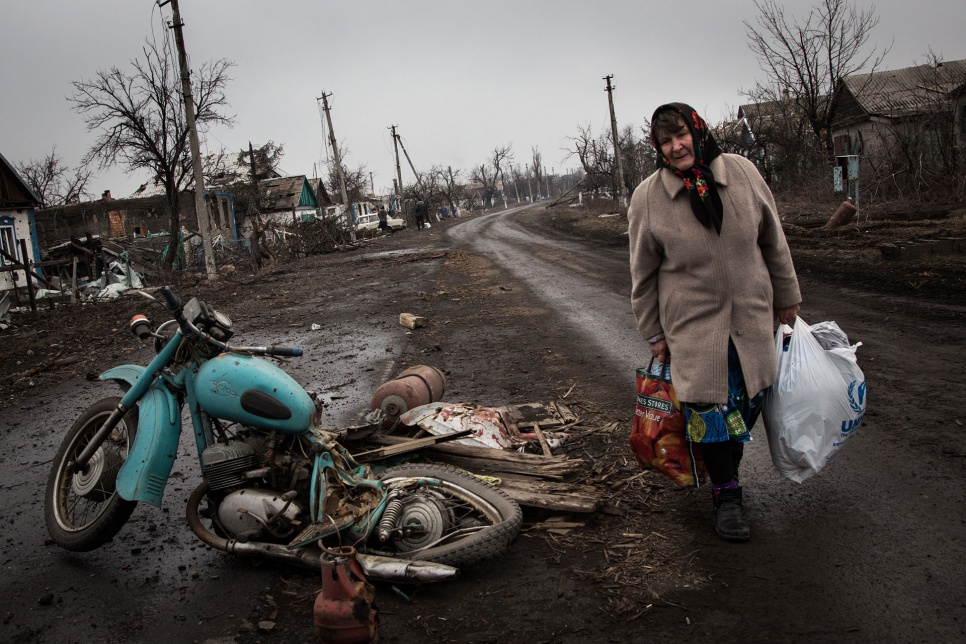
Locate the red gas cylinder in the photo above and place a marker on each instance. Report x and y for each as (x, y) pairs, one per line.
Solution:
(344, 611)
(419, 385)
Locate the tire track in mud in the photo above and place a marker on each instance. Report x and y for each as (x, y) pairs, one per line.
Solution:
(580, 283)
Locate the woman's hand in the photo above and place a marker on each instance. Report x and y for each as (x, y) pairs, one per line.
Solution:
(659, 350)
(788, 314)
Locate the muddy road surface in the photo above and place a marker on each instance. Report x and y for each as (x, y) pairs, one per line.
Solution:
(519, 311)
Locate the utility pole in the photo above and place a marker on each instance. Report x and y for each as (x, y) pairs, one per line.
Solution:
(621, 192)
(399, 183)
(411, 166)
(515, 175)
(338, 164)
(201, 207)
(529, 185)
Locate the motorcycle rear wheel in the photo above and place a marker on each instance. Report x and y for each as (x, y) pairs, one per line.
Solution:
(469, 499)
(84, 510)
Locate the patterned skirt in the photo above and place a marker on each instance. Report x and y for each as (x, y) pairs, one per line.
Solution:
(732, 421)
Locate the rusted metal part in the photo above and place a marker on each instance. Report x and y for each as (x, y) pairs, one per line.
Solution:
(418, 385)
(344, 612)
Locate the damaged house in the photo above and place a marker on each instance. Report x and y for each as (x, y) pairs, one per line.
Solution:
(285, 201)
(18, 235)
(902, 121)
(138, 224)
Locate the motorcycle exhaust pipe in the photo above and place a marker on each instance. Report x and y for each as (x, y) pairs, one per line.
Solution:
(376, 567)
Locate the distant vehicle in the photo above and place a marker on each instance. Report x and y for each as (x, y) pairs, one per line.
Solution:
(365, 215)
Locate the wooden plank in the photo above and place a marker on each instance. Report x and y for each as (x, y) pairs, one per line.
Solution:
(27, 275)
(543, 439)
(532, 496)
(496, 468)
(73, 283)
(489, 453)
(550, 486)
(408, 446)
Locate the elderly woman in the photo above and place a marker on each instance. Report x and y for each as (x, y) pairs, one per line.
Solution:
(711, 270)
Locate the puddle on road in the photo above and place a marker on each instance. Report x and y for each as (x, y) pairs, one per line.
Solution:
(343, 366)
(402, 252)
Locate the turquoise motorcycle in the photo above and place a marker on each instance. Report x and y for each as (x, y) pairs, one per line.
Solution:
(274, 484)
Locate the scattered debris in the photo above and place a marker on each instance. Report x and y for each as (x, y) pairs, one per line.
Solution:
(492, 437)
(412, 321)
(495, 427)
(919, 249)
(842, 215)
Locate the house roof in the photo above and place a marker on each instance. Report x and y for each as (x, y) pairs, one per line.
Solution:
(903, 92)
(286, 194)
(14, 191)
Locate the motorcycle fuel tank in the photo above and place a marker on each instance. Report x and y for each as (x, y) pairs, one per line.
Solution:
(251, 391)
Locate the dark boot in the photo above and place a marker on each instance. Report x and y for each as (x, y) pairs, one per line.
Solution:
(729, 518)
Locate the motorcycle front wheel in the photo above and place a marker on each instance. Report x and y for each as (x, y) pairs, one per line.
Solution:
(447, 515)
(83, 509)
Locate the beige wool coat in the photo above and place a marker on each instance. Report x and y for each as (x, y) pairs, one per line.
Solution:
(701, 289)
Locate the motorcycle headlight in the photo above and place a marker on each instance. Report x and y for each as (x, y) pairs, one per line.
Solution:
(222, 320)
(219, 326)
(166, 331)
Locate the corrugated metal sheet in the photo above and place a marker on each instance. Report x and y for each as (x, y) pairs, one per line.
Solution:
(906, 91)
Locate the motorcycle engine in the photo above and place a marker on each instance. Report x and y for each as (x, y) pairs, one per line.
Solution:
(225, 463)
(252, 514)
(255, 482)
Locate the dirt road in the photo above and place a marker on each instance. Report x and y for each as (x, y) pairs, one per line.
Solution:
(870, 550)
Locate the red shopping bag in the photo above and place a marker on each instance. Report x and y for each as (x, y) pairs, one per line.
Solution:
(657, 439)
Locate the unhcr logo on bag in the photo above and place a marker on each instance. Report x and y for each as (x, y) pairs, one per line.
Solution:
(658, 404)
(857, 396)
(857, 403)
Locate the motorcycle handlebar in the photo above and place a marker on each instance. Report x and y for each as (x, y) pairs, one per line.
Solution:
(174, 304)
(170, 298)
(290, 352)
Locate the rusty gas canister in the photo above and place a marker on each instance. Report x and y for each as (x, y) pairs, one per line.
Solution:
(419, 385)
(344, 611)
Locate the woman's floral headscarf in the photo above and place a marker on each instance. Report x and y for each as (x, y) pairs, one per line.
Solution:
(699, 180)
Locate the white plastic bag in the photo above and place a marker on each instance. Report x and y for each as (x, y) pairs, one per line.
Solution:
(815, 405)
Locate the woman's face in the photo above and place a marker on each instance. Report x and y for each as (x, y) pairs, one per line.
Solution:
(678, 148)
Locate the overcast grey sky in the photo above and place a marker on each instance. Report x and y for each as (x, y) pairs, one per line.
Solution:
(457, 77)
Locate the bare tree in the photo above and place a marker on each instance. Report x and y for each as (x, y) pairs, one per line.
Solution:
(537, 160)
(356, 181)
(54, 182)
(267, 158)
(486, 177)
(594, 154)
(637, 155)
(453, 187)
(497, 159)
(805, 59)
(141, 122)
